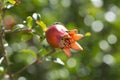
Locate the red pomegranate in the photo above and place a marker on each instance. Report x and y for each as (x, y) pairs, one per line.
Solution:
(59, 37)
(9, 22)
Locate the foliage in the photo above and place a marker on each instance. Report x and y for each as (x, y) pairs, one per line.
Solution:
(26, 55)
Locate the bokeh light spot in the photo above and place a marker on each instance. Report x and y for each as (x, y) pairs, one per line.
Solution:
(66, 3)
(104, 45)
(1, 68)
(58, 74)
(6, 45)
(110, 16)
(32, 69)
(83, 71)
(9, 50)
(88, 20)
(115, 9)
(21, 25)
(71, 62)
(53, 2)
(97, 26)
(64, 73)
(108, 59)
(15, 46)
(112, 39)
(97, 3)
(21, 78)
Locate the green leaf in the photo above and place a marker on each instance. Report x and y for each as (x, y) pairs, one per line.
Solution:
(29, 21)
(42, 24)
(18, 37)
(25, 56)
(18, 27)
(12, 1)
(26, 37)
(40, 32)
(21, 59)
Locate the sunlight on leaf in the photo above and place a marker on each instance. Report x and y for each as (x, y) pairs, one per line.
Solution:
(42, 24)
(29, 21)
(12, 1)
(26, 36)
(18, 27)
(9, 6)
(1, 69)
(36, 16)
(1, 59)
(56, 60)
(30, 52)
(59, 61)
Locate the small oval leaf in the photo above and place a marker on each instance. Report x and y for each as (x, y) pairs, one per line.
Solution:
(25, 56)
(12, 1)
(42, 24)
(29, 21)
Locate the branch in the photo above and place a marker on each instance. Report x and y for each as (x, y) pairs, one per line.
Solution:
(38, 60)
(2, 33)
(24, 68)
(21, 29)
(5, 54)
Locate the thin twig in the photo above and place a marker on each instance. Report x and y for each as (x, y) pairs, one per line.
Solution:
(38, 60)
(24, 68)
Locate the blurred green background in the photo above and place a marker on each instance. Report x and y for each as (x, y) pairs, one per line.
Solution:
(100, 59)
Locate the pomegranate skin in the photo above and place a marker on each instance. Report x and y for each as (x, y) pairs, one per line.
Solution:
(54, 34)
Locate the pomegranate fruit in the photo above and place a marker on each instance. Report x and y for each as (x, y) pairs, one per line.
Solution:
(9, 22)
(59, 37)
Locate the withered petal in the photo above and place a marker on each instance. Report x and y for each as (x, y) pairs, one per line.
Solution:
(67, 52)
(76, 46)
